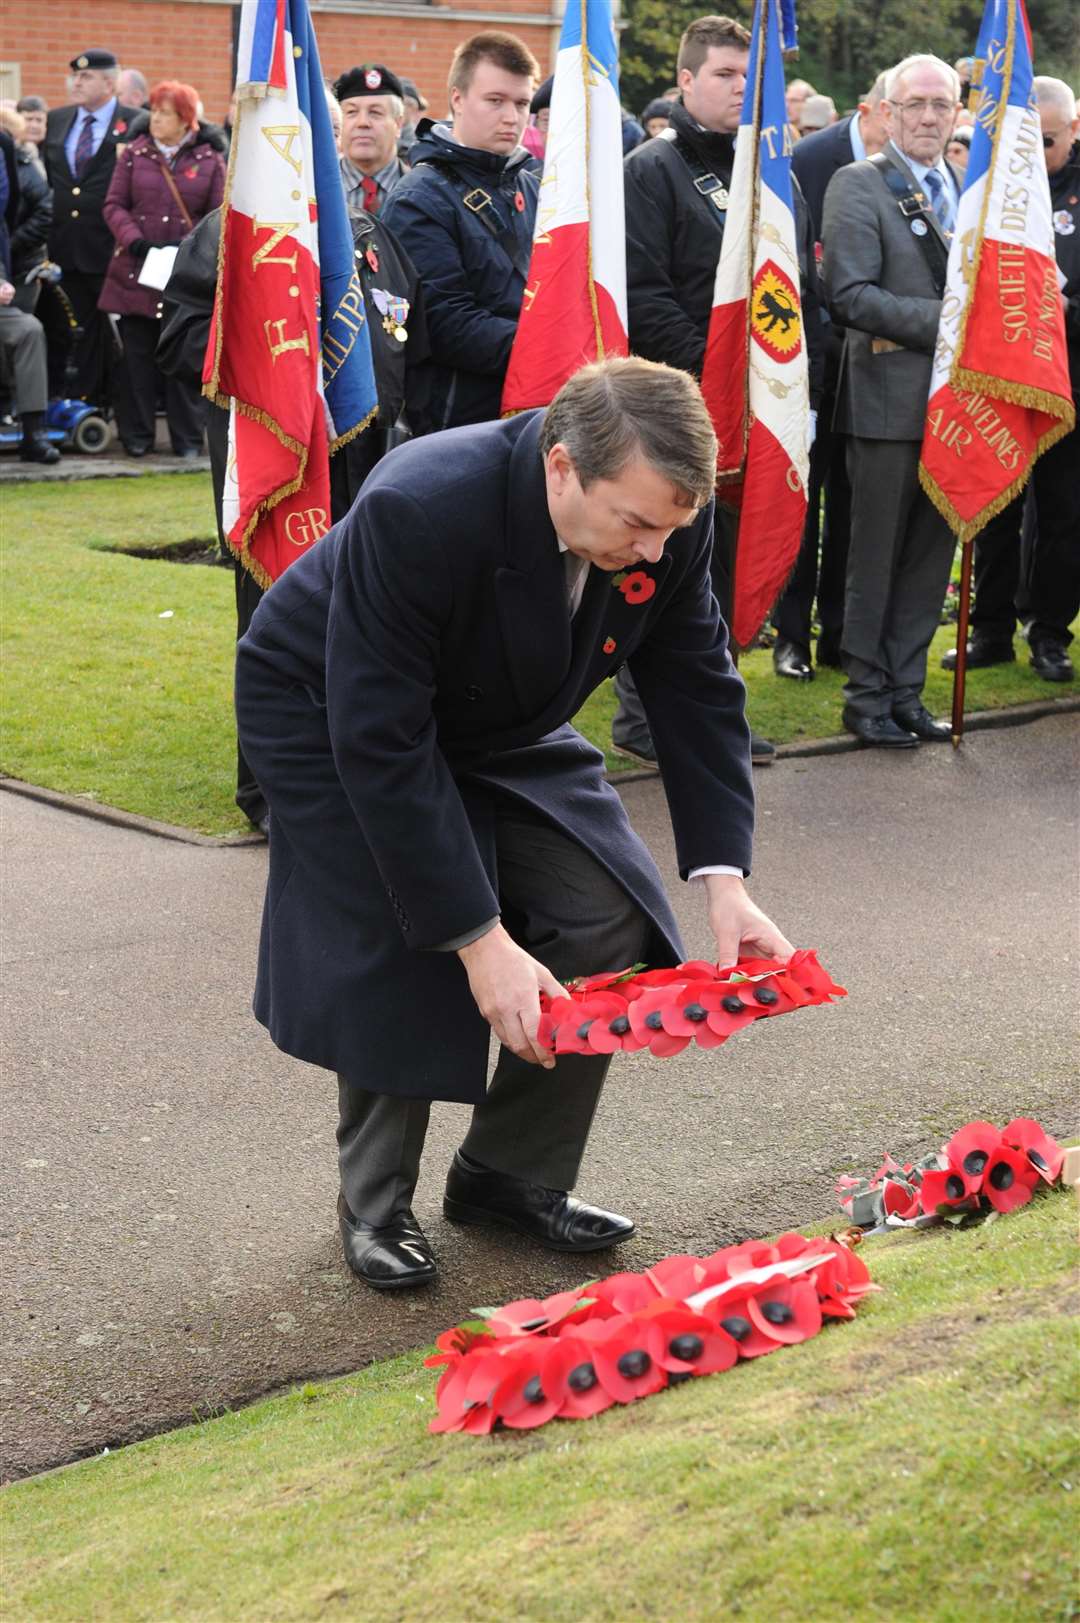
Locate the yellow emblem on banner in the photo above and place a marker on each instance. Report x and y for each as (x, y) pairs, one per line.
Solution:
(775, 315)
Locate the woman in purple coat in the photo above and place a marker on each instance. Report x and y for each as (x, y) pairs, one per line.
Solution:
(165, 181)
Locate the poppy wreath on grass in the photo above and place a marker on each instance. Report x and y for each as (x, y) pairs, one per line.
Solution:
(982, 1169)
(625, 1337)
(665, 1010)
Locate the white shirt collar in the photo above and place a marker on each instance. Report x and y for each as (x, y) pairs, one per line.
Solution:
(858, 145)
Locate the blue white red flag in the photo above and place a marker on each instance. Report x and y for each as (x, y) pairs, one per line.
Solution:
(755, 378)
(289, 352)
(574, 309)
(999, 393)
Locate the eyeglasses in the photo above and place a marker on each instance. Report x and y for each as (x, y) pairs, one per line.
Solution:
(919, 104)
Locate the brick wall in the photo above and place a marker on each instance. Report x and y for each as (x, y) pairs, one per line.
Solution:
(173, 39)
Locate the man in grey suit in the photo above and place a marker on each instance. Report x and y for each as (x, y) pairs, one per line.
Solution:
(887, 224)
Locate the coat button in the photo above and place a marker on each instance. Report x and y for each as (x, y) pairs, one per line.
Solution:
(472, 693)
(75, 190)
(164, 219)
(74, 214)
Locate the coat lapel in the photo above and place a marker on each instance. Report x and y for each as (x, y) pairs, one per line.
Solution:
(530, 587)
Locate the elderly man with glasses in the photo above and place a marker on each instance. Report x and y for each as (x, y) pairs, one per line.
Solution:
(887, 224)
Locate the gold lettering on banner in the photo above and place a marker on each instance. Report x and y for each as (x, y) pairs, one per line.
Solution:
(265, 255)
(306, 525)
(352, 304)
(953, 435)
(768, 134)
(990, 429)
(279, 344)
(281, 138)
(1012, 292)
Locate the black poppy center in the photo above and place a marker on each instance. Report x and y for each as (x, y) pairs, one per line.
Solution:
(974, 1162)
(954, 1186)
(655, 1020)
(582, 1378)
(532, 1391)
(766, 996)
(737, 1327)
(733, 1004)
(1038, 1160)
(619, 1026)
(694, 1011)
(1003, 1176)
(686, 1347)
(583, 1030)
(776, 1312)
(633, 1364)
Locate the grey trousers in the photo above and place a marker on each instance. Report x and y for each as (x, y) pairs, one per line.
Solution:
(24, 338)
(898, 568)
(562, 907)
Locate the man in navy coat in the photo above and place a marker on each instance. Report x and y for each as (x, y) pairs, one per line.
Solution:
(443, 844)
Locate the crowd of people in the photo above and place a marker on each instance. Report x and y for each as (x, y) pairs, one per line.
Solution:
(105, 190)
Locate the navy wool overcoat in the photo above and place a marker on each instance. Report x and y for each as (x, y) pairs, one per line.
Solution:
(416, 664)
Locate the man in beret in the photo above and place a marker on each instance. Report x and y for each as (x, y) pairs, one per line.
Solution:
(372, 103)
(79, 153)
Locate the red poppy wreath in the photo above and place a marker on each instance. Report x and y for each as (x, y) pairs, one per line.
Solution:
(665, 1010)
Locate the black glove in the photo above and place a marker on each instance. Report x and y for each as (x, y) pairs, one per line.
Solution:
(139, 248)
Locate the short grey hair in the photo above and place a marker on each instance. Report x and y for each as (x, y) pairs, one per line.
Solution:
(611, 411)
(876, 94)
(894, 75)
(1055, 93)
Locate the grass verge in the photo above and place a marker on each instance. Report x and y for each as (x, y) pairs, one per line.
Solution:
(119, 669)
(918, 1461)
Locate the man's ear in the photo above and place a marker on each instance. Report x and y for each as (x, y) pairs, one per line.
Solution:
(559, 468)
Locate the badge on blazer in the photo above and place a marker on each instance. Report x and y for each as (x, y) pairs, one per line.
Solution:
(1064, 224)
(394, 311)
(918, 228)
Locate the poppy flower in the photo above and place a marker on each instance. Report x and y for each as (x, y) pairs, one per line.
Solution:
(969, 1150)
(626, 1354)
(560, 1012)
(598, 1025)
(786, 1310)
(1008, 1179)
(803, 967)
(729, 1007)
(525, 1396)
(900, 1199)
(684, 1015)
(623, 1293)
(453, 1344)
(460, 1408)
(637, 586)
(528, 1316)
(677, 1276)
(947, 1189)
(646, 1014)
(732, 1314)
(692, 1344)
(571, 1376)
(610, 645)
(1045, 1153)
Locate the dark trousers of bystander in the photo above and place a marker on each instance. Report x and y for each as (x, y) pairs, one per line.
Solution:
(1027, 559)
(562, 907)
(820, 570)
(95, 347)
(137, 381)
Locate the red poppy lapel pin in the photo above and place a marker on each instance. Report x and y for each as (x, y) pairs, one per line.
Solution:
(635, 585)
(120, 127)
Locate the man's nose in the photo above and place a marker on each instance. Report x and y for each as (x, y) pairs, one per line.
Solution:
(651, 549)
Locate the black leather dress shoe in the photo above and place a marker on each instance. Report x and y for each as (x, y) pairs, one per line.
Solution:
(37, 448)
(789, 659)
(638, 749)
(915, 718)
(880, 732)
(1050, 661)
(981, 651)
(389, 1258)
(477, 1194)
(762, 753)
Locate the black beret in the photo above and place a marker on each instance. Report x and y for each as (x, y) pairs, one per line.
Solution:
(94, 59)
(369, 79)
(542, 97)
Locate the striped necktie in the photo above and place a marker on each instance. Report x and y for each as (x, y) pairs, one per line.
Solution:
(84, 146)
(940, 201)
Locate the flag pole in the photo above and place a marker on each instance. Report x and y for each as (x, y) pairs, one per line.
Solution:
(960, 671)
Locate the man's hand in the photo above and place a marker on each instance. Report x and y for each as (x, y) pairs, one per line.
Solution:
(738, 925)
(506, 984)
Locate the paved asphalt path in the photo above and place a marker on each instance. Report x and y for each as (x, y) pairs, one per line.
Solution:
(169, 1231)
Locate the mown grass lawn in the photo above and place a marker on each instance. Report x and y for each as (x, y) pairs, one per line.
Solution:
(118, 670)
(919, 1462)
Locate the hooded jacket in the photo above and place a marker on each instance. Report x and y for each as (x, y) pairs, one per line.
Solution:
(465, 218)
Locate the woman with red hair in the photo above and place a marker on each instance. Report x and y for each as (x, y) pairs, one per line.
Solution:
(165, 181)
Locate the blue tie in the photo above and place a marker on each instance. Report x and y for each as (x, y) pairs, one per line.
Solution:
(84, 146)
(940, 201)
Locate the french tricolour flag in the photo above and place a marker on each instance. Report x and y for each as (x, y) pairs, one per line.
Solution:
(755, 375)
(999, 393)
(289, 351)
(574, 310)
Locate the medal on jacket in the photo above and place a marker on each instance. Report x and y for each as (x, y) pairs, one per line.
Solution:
(394, 312)
(918, 227)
